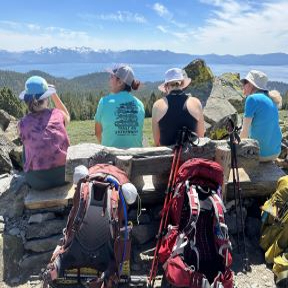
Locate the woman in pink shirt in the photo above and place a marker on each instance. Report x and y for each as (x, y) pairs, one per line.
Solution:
(44, 135)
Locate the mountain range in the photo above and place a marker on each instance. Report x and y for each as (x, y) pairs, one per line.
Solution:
(88, 55)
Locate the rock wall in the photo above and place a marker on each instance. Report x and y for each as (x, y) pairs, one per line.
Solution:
(10, 145)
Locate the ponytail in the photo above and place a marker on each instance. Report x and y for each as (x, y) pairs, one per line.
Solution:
(135, 85)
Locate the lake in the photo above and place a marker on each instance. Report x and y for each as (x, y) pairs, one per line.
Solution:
(145, 72)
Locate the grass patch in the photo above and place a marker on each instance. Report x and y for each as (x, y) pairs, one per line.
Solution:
(83, 132)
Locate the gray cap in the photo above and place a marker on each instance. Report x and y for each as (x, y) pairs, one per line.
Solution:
(124, 73)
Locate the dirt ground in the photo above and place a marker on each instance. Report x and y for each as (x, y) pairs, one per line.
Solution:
(259, 277)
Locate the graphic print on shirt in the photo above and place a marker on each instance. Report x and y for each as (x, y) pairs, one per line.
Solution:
(126, 120)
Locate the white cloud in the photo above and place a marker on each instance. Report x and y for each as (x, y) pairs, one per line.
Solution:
(25, 36)
(56, 36)
(162, 11)
(162, 29)
(239, 29)
(235, 27)
(119, 16)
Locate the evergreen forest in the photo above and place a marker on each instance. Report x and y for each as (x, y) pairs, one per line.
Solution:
(82, 94)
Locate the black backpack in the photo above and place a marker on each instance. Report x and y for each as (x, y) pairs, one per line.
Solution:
(97, 238)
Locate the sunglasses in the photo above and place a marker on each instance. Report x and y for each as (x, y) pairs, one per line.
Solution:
(244, 82)
(111, 76)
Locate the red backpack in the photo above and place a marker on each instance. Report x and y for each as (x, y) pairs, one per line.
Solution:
(195, 252)
(97, 235)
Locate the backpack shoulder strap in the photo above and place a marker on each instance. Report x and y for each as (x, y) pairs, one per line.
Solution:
(194, 207)
(84, 194)
(221, 229)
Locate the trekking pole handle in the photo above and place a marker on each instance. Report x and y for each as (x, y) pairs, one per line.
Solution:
(181, 136)
(233, 131)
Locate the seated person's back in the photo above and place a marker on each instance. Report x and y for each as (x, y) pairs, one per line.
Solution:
(261, 118)
(119, 117)
(44, 135)
(176, 110)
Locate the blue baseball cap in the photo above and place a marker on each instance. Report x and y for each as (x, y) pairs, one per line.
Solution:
(36, 88)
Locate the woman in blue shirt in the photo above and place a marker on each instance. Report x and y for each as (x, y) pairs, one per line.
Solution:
(261, 119)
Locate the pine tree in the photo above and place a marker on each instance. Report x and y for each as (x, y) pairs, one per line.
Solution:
(10, 103)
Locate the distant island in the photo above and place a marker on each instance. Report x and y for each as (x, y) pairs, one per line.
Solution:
(88, 55)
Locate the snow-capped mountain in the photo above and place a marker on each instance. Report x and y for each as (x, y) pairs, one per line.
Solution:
(51, 55)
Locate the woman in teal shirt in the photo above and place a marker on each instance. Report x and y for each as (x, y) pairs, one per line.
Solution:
(261, 119)
(120, 116)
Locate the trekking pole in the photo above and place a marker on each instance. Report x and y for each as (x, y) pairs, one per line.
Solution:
(234, 139)
(168, 192)
(232, 144)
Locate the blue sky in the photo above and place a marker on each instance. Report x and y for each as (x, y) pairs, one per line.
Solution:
(185, 26)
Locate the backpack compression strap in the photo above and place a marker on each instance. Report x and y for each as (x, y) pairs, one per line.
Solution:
(190, 228)
(221, 229)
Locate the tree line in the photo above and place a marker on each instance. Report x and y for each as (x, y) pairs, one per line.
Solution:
(82, 94)
(81, 106)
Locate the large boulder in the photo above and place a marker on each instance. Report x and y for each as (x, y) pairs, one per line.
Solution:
(12, 192)
(5, 148)
(225, 102)
(10, 144)
(232, 90)
(5, 119)
(202, 80)
(11, 132)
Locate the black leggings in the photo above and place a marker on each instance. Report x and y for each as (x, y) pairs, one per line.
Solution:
(46, 179)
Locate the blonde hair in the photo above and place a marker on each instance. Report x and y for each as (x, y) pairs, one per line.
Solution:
(37, 105)
(276, 97)
(174, 85)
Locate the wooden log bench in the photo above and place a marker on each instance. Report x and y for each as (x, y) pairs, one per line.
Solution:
(258, 182)
(57, 197)
(148, 169)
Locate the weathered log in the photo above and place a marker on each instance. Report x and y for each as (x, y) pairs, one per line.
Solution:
(124, 163)
(59, 196)
(223, 157)
(258, 182)
(156, 161)
(248, 153)
(88, 154)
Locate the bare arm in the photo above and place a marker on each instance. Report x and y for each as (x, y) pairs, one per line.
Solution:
(200, 129)
(155, 125)
(195, 109)
(98, 131)
(245, 127)
(59, 105)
